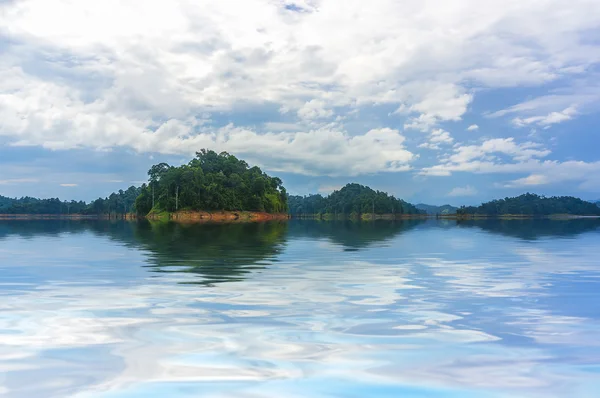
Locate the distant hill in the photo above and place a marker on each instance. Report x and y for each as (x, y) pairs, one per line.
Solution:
(534, 205)
(351, 199)
(430, 209)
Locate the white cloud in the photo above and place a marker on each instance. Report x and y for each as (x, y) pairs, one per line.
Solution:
(56, 121)
(473, 127)
(142, 83)
(437, 138)
(547, 120)
(68, 185)
(464, 155)
(442, 102)
(280, 126)
(532, 180)
(314, 109)
(18, 181)
(463, 191)
(523, 158)
(561, 105)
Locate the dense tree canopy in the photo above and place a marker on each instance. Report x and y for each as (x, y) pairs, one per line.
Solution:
(211, 181)
(121, 202)
(29, 205)
(351, 199)
(531, 204)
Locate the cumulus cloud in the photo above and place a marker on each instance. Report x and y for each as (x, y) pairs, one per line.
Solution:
(473, 127)
(559, 106)
(437, 138)
(442, 102)
(505, 156)
(153, 80)
(314, 109)
(532, 180)
(547, 120)
(463, 191)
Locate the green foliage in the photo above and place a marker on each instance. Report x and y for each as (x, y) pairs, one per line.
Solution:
(353, 199)
(211, 181)
(121, 202)
(29, 205)
(531, 204)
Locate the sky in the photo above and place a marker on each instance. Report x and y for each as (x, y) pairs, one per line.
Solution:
(433, 101)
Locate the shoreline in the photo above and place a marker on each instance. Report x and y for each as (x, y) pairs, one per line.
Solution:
(187, 216)
(512, 217)
(361, 217)
(67, 217)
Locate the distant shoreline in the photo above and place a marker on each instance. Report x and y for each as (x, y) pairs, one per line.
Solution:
(511, 216)
(368, 217)
(192, 216)
(67, 217)
(186, 216)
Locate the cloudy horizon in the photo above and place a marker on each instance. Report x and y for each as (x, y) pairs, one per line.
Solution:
(437, 102)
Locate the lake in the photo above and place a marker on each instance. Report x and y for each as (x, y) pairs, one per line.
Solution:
(96, 309)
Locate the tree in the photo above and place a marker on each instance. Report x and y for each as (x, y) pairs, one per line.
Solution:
(211, 181)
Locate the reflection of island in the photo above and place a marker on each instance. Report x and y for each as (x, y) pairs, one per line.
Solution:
(217, 252)
(531, 229)
(229, 252)
(352, 235)
(33, 228)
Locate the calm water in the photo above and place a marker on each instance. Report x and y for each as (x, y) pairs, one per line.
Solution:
(305, 309)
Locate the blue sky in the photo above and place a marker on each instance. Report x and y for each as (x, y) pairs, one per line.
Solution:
(438, 102)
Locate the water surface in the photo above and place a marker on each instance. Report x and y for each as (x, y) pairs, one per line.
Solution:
(300, 309)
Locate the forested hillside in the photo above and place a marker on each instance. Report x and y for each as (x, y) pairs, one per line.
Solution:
(211, 181)
(531, 204)
(352, 199)
(121, 202)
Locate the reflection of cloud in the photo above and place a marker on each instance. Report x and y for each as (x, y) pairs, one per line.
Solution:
(381, 316)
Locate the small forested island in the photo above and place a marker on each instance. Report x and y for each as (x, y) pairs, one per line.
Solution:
(533, 206)
(220, 187)
(210, 182)
(351, 201)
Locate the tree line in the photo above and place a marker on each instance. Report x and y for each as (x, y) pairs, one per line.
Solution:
(117, 203)
(531, 204)
(351, 200)
(211, 181)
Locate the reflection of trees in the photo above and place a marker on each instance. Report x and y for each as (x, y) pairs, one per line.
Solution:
(33, 228)
(531, 229)
(218, 252)
(352, 235)
(226, 252)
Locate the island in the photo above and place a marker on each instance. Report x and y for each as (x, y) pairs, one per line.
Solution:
(531, 206)
(353, 201)
(220, 187)
(216, 187)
